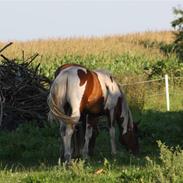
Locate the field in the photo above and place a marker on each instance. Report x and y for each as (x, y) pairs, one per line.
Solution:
(30, 154)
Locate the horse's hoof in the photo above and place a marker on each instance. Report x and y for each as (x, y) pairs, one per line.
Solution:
(114, 153)
(59, 161)
(86, 157)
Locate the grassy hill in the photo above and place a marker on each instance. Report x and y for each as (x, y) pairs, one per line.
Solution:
(29, 154)
(124, 54)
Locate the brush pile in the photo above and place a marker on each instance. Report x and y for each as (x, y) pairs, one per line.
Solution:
(23, 92)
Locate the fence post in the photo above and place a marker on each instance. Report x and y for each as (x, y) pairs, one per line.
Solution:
(167, 93)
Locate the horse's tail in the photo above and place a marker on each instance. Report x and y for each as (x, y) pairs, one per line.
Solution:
(57, 99)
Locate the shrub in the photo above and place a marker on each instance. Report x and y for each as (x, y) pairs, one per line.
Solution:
(170, 167)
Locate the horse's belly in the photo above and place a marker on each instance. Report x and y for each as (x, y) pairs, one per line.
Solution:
(96, 107)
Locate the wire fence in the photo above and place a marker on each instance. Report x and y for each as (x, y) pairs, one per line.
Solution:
(142, 82)
(167, 90)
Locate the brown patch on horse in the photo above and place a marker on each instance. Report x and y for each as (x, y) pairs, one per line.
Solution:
(82, 76)
(93, 99)
(111, 79)
(64, 67)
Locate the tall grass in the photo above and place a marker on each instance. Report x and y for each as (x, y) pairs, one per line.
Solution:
(110, 45)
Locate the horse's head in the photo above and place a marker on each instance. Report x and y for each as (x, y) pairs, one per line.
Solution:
(130, 139)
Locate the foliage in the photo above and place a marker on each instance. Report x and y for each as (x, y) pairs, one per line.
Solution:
(170, 167)
(171, 66)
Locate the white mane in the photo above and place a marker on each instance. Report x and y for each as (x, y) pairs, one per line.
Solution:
(114, 90)
(126, 114)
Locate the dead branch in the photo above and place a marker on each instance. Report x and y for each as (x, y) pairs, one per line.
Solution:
(23, 92)
(6, 46)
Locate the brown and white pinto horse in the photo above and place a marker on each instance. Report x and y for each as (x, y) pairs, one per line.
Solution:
(79, 93)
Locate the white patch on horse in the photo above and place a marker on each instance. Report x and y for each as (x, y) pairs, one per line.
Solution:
(112, 92)
(126, 114)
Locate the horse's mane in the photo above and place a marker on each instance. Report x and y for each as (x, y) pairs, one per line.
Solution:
(126, 113)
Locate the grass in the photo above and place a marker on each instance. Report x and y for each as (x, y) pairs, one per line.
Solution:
(30, 154)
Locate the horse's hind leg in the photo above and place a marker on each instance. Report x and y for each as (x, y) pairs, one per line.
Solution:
(66, 134)
(67, 131)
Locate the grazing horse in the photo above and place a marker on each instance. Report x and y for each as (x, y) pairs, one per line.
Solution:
(78, 93)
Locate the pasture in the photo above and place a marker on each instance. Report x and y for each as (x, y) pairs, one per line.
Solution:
(30, 154)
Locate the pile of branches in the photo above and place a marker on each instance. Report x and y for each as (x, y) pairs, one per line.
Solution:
(23, 92)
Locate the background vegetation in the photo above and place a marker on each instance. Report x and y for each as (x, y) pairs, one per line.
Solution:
(29, 154)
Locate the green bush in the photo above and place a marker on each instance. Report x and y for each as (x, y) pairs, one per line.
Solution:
(171, 66)
(170, 167)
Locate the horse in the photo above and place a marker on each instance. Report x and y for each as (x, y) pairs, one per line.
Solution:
(79, 93)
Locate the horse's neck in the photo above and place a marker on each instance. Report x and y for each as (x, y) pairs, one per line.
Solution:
(111, 91)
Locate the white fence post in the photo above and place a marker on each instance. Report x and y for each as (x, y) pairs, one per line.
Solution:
(167, 93)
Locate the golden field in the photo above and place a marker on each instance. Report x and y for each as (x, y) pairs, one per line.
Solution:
(116, 44)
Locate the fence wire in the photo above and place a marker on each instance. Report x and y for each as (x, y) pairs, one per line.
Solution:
(153, 91)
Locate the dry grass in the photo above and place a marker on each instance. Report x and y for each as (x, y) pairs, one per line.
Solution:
(116, 44)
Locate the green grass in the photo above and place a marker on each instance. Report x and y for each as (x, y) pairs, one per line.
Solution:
(30, 154)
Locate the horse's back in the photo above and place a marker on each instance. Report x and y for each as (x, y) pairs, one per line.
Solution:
(65, 67)
(90, 90)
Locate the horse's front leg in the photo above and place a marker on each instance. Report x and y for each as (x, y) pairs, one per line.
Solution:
(88, 135)
(113, 142)
(112, 131)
